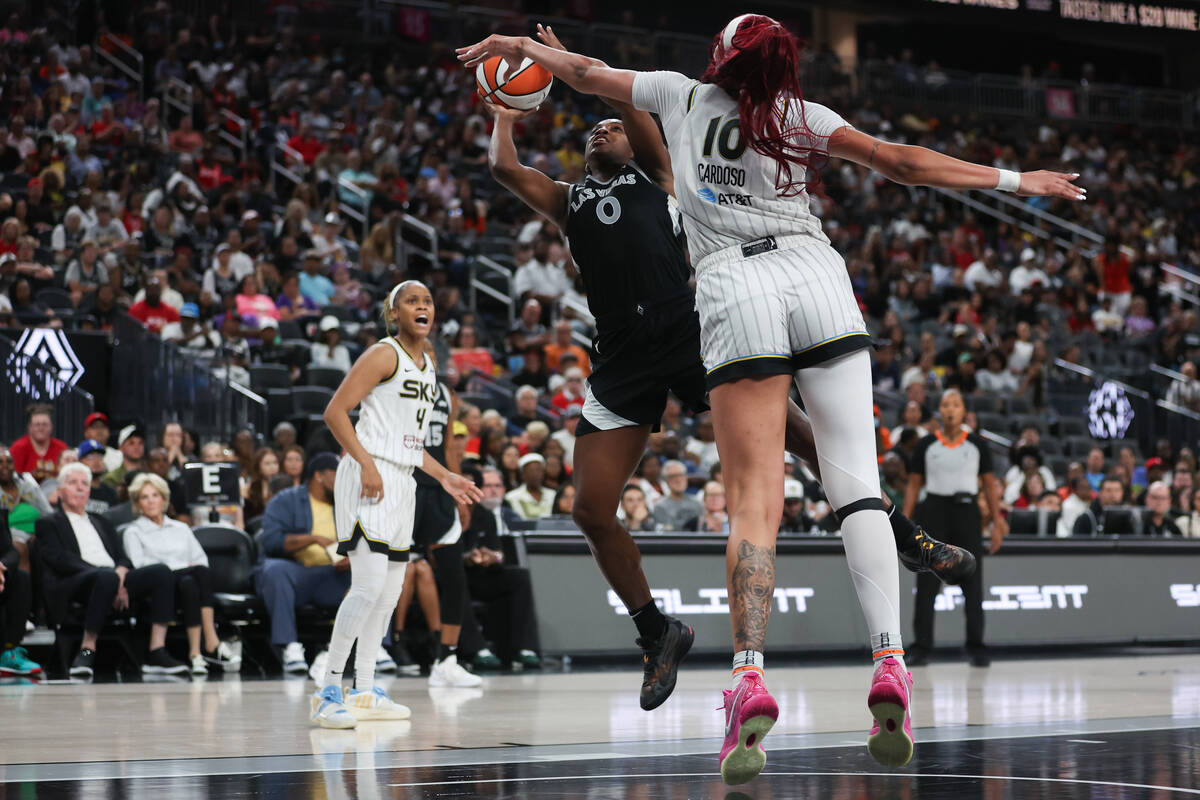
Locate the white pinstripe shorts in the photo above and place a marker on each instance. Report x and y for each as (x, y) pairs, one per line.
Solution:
(775, 312)
(387, 524)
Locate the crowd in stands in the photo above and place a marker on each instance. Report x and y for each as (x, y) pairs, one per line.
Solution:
(113, 204)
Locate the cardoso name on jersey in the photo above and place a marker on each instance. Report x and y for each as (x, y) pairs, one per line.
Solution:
(721, 173)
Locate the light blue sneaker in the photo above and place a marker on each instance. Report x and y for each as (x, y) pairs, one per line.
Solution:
(329, 711)
(16, 661)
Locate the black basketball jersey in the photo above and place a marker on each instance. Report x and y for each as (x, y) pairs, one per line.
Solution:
(625, 236)
(435, 434)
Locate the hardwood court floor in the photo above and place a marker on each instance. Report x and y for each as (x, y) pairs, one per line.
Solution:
(1067, 725)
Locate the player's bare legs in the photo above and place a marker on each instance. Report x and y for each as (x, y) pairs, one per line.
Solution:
(604, 463)
(749, 418)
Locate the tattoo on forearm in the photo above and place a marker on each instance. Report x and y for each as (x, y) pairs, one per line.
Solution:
(752, 588)
(581, 70)
(871, 160)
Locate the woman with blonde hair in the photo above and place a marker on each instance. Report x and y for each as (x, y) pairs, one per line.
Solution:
(155, 538)
(377, 253)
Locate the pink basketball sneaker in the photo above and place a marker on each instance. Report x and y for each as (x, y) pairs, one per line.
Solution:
(890, 741)
(750, 712)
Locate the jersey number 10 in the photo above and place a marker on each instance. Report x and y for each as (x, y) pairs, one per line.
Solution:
(728, 148)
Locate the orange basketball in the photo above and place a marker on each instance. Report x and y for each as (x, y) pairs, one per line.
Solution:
(523, 88)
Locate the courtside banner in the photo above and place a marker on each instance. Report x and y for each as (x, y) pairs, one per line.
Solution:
(1045, 592)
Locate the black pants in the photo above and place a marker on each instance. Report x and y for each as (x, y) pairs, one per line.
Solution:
(511, 588)
(193, 587)
(98, 588)
(16, 601)
(957, 523)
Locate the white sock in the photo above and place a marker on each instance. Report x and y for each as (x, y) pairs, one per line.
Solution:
(744, 663)
(368, 574)
(376, 626)
(871, 556)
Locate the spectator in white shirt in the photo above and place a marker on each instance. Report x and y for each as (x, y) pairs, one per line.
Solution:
(1022, 351)
(994, 377)
(1077, 502)
(539, 277)
(531, 500)
(1105, 319)
(190, 332)
(155, 538)
(1027, 273)
(1186, 392)
(330, 352)
(984, 273)
(566, 436)
(703, 446)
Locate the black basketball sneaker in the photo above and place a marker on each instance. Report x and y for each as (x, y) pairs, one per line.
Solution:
(923, 553)
(660, 662)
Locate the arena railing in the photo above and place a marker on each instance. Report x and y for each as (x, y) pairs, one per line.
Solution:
(239, 140)
(131, 64)
(28, 380)
(284, 168)
(160, 382)
(1011, 95)
(179, 96)
(415, 237)
(1175, 277)
(360, 213)
(482, 268)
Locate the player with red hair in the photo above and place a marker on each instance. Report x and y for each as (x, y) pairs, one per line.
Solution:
(776, 305)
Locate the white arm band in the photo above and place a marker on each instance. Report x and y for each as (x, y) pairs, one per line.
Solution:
(1009, 181)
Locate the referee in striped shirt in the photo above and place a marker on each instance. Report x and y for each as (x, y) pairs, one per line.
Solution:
(950, 464)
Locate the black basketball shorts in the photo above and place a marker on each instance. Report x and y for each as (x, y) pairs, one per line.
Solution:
(658, 352)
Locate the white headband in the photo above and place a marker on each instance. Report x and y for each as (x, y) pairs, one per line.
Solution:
(731, 29)
(391, 300)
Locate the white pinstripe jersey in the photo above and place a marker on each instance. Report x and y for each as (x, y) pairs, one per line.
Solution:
(726, 190)
(394, 415)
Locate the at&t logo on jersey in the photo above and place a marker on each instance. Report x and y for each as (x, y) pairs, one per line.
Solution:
(1186, 595)
(1017, 598)
(715, 601)
(707, 194)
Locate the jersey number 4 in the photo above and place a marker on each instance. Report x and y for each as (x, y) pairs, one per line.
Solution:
(729, 141)
(421, 412)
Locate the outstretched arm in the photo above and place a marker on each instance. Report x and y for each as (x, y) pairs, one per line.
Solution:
(581, 73)
(920, 166)
(543, 195)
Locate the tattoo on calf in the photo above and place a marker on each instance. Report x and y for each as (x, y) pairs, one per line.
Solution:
(752, 588)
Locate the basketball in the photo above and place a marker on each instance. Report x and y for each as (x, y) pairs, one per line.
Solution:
(523, 88)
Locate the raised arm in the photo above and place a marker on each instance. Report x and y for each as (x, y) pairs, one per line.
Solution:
(581, 73)
(920, 166)
(536, 190)
(649, 151)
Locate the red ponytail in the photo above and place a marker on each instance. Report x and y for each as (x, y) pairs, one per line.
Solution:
(758, 65)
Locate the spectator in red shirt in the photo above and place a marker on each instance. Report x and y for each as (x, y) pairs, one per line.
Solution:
(572, 392)
(307, 145)
(37, 451)
(1112, 268)
(152, 311)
